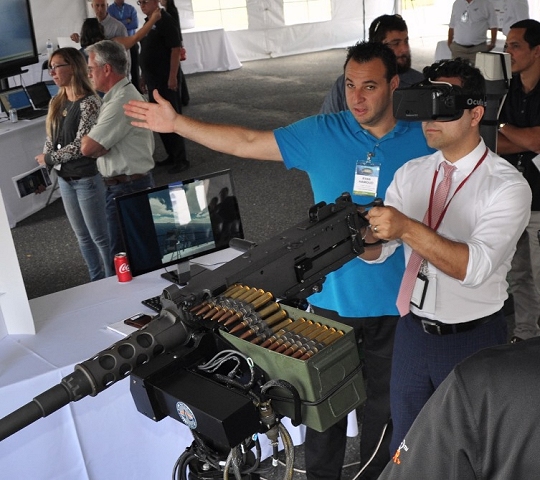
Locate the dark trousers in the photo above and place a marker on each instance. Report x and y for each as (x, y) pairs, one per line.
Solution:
(135, 76)
(113, 224)
(421, 361)
(174, 144)
(325, 452)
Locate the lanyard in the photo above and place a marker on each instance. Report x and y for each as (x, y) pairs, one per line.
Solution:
(443, 213)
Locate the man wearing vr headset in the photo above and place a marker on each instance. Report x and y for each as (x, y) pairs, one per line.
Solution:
(458, 245)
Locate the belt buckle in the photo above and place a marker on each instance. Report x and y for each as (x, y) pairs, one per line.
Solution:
(428, 323)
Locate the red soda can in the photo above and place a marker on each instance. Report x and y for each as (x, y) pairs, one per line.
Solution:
(121, 265)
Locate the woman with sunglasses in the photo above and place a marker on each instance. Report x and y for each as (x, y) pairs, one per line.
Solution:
(72, 113)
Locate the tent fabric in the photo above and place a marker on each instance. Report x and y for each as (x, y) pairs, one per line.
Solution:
(266, 37)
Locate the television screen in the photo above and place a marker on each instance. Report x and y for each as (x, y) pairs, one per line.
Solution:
(17, 40)
(174, 223)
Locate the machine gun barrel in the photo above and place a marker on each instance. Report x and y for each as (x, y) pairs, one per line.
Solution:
(102, 370)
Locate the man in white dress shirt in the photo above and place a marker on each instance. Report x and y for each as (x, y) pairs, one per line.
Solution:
(453, 307)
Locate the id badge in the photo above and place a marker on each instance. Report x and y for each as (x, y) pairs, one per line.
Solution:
(366, 178)
(425, 292)
(420, 291)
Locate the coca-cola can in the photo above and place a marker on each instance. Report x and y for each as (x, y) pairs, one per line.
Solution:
(121, 265)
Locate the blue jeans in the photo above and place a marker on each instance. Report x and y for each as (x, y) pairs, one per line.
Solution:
(113, 224)
(84, 202)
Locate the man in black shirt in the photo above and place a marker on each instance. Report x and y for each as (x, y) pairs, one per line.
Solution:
(519, 141)
(482, 421)
(160, 66)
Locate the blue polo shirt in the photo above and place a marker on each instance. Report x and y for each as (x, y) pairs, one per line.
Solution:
(328, 148)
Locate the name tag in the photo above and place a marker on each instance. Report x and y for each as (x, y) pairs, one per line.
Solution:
(366, 179)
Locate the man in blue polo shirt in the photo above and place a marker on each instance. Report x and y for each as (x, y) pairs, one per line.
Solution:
(127, 14)
(356, 151)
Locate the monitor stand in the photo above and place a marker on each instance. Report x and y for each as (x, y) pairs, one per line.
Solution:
(184, 272)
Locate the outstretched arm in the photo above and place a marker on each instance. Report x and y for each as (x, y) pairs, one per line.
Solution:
(231, 139)
(128, 42)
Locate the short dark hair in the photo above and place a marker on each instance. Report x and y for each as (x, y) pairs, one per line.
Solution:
(91, 32)
(380, 27)
(472, 80)
(532, 31)
(363, 52)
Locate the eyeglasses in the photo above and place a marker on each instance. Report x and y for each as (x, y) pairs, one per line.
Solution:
(143, 2)
(53, 68)
(91, 69)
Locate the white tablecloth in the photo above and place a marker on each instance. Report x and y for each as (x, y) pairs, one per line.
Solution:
(208, 50)
(97, 438)
(19, 144)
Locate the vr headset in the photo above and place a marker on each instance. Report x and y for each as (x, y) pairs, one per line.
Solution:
(431, 100)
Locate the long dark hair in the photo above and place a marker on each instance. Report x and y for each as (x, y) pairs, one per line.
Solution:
(171, 9)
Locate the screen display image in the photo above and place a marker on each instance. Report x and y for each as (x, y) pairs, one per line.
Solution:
(182, 221)
(172, 224)
(35, 181)
(17, 39)
(15, 98)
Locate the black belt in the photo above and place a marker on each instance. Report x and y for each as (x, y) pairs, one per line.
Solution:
(434, 327)
(468, 46)
(109, 181)
(70, 179)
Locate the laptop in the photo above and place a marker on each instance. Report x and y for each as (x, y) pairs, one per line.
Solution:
(18, 98)
(39, 95)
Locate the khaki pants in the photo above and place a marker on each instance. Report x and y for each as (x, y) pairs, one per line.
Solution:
(468, 53)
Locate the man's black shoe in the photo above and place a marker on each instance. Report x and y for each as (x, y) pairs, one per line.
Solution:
(179, 167)
(516, 339)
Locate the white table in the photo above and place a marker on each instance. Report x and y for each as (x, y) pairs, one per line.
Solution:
(208, 50)
(97, 438)
(19, 144)
(102, 437)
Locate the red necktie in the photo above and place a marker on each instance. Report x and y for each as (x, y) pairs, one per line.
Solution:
(415, 260)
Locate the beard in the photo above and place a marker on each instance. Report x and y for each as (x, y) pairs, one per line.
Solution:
(403, 64)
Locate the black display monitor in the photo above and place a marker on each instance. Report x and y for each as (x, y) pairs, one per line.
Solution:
(17, 39)
(172, 224)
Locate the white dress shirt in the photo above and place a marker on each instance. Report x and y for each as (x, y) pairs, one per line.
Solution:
(488, 213)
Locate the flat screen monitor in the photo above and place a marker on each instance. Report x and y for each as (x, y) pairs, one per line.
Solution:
(172, 224)
(17, 39)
